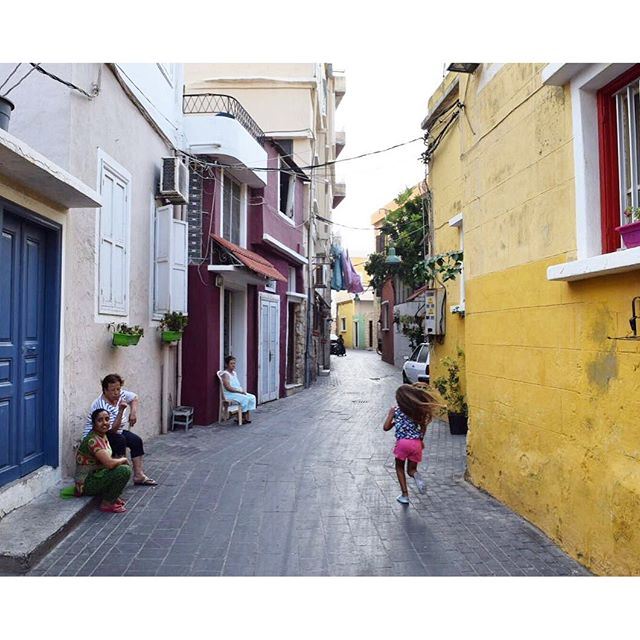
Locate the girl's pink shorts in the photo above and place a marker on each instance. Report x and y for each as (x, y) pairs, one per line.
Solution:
(408, 450)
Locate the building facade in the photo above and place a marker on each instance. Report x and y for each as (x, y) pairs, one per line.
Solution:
(536, 172)
(246, 268)
(295, 105)
(92, 258)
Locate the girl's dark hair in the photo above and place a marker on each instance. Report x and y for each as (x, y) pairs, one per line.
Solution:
(110, 379)
(228, 359)
(95, 414)
(415, 402)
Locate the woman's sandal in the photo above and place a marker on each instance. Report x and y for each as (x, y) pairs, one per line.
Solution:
(120, 502)
(146, 482)
(113, 508)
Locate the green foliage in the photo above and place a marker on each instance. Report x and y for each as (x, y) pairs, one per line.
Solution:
(404, 229)
(449, 385)
(412, 327)
(441, 267)
(632, 214)
(173, 321)
(122, 327)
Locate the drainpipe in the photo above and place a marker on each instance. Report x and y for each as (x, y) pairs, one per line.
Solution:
(164, 409)
(310, 289)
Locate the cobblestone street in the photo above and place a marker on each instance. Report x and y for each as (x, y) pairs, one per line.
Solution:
(309, 489)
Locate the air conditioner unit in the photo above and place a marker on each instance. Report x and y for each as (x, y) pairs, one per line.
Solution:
(174, 181)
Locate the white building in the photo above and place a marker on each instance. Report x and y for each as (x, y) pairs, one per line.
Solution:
(77, 266)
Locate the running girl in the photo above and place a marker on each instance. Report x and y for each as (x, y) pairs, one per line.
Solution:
(410, 419)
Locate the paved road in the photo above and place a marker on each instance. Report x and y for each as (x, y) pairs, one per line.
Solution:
(307, 489)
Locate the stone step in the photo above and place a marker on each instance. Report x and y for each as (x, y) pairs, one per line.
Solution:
(28, 533)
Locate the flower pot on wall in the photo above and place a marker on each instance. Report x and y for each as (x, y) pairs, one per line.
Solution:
(630, 234)
(457, 423)
(171, 336)
(125, 339)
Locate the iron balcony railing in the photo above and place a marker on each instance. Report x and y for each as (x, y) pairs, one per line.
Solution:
(222, 105)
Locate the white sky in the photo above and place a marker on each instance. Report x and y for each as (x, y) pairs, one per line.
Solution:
(384, 104)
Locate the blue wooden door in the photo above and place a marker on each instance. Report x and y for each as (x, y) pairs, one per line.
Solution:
(23, 256)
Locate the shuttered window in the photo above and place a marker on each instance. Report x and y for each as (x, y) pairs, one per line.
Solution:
(170, 263)
(113, 243)
(231, 210)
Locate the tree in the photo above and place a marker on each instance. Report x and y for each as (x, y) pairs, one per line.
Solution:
(405, 227)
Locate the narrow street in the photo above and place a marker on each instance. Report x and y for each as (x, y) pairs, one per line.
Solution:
(307, 489)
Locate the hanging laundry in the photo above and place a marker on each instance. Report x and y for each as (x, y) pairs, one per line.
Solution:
(355, 281)
(346, 271)
(337, 281)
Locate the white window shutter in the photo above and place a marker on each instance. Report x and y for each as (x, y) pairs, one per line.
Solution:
(162, 260)
(179, 266)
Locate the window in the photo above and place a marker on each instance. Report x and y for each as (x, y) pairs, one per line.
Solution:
(169, 263)
(287, 186)
(113, 237)
(414, 356)
(619, 137)
(356, 335)
(292, 280)
(384, 312)
(343, 324)
(597, 152)
(424, 353)
(231, 210)
(457, 221)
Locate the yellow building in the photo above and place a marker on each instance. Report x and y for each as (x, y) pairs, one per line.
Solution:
(355, 318)
(533, 163)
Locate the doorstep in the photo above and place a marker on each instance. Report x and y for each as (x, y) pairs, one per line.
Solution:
(291, 389)
(324, 372)
(29, 532)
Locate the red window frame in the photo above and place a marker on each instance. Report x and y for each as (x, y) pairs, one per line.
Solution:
(608, 147)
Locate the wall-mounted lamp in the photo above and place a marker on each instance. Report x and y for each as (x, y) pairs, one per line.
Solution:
(463, 67)
(392, 258)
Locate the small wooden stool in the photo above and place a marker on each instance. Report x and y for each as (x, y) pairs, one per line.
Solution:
(182, 417)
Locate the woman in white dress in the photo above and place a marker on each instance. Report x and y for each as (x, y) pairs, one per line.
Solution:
(232, 389)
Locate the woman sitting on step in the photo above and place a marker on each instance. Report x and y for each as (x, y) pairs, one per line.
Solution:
(232, 389)
(97, 473)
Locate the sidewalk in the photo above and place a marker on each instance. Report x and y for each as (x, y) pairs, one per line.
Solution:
(307, 489)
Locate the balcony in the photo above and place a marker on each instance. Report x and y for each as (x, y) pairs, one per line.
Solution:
(339, 193)
(341, 139)
(218, 125)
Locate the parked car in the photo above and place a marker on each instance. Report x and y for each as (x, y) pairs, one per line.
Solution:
(416, 366)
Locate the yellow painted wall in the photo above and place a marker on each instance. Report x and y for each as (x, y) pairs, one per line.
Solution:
(554, 404)
(445, 172)
(345, 310)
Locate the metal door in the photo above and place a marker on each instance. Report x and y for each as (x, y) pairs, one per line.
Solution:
(23, 256)
(269, 360)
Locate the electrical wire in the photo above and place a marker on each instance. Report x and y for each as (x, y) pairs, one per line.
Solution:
(36, 66)
(9, 76)
(24, 77)
(311, 166)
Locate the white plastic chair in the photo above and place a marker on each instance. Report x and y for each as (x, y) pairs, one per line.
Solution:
(227, 406)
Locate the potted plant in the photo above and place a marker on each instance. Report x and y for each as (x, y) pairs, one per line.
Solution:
(124, 335)
(172, 325)
(449, 388)
(630, 232)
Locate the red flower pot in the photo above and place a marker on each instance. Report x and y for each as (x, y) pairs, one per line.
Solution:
(630, 234)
